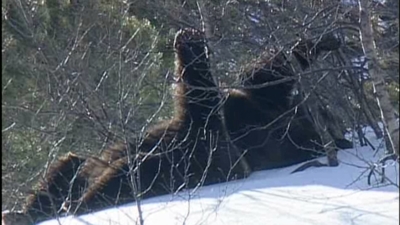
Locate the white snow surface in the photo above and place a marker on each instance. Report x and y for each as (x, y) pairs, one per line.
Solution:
(316, 196)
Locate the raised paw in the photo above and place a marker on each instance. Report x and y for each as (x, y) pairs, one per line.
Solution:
(191, 49)
(189, 37)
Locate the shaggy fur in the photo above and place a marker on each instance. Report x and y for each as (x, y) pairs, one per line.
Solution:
(259, 117)
(60, 182)
(183, 152)
(190, 149)
(187, 151)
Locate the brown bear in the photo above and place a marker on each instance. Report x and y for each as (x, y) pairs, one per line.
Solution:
(186, 151)
(261, 119)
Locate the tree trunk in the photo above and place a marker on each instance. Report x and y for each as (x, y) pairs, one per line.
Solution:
(377, 74)
(360, 95)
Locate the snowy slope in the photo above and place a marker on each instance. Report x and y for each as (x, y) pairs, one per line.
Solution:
(331, 196)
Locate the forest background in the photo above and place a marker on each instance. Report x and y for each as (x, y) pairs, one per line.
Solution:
(78, 75)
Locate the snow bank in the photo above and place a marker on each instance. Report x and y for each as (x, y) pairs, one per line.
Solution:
(331, 196)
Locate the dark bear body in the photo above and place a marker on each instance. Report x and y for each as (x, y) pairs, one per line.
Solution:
(261, 119)
(187, 151)
(190, 149)
(47, 200)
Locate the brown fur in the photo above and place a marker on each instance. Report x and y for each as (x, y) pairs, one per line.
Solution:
(259, 117)
(306, 51)
(55, 187)
(185, 139)
(184, 152)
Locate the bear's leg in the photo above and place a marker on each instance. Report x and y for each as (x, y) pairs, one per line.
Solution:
(111, 187)
(60, 182)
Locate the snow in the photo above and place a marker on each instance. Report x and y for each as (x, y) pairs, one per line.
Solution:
(331, 196)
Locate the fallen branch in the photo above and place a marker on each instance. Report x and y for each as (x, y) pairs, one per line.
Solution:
(382, 162)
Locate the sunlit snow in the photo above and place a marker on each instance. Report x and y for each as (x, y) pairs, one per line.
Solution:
(316, 196)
